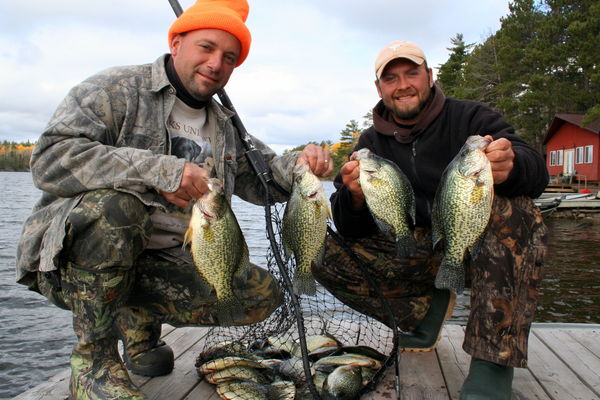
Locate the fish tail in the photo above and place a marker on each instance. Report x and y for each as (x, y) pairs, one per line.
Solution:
(304, 282)
(451, 275)
(406, 246)
(229, 311)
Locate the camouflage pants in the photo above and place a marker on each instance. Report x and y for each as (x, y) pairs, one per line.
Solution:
(106, 237)
(504, 280)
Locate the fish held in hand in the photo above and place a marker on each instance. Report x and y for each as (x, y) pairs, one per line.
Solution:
(461, 211)
(219, 250)
(304, 227)
(390, 199)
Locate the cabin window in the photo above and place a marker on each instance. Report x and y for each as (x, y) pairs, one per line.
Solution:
(579, 155)
(559, 157)
(552, 158)
(588, 154)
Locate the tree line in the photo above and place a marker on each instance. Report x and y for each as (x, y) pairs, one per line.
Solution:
(15, 156)
(544, 60)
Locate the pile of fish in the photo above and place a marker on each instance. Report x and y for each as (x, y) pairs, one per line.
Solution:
(272, 369)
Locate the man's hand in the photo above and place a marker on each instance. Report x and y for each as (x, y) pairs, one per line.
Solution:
(318, 160)
(193, 186)
(350, 173)
(501, 156)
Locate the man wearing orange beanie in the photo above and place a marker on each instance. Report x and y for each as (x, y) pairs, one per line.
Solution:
(118, 165)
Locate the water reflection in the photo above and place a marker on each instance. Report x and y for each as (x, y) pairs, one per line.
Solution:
(571, 277)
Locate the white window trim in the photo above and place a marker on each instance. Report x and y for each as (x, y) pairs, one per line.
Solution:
(589, 154)
(559, 157)
(579, 155)
(552, 158)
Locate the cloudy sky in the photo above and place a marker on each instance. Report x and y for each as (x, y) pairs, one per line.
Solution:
(309, 72)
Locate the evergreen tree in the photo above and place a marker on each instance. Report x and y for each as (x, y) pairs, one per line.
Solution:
(451, 74)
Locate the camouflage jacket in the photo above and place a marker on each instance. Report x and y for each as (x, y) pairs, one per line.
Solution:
(110, 132)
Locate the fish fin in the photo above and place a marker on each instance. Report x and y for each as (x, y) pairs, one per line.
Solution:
(229, 311)
(304, 282)
(451, 276)
(383, 226)
(187, 237)
(406, 246)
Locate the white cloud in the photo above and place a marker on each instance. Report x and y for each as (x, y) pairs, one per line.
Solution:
(309, 72)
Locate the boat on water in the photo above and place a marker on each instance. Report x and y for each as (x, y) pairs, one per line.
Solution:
(549, 202)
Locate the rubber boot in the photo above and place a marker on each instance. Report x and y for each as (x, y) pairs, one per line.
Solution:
(97, 371)
(426, 336)
(144, 352)
(487, 381)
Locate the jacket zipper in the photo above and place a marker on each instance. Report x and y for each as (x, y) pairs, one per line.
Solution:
(415, 174)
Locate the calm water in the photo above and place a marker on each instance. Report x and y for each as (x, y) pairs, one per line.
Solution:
(36, 338)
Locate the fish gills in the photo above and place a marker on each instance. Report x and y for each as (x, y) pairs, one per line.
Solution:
(461, 211)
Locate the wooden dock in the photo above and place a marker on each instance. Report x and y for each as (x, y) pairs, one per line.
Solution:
(564, 364)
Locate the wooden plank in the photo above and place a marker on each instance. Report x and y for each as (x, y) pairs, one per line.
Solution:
(526, 387)
(589, 338)
(583, 363)
(55, 388)
(453, 359)
(556, 377)
(182, 380)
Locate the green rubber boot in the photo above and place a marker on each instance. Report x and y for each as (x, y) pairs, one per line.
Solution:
(97, 371)
(487, 381)
(426, 336)
(144, 352)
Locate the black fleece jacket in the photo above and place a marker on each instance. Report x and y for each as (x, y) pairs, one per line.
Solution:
(423, 151)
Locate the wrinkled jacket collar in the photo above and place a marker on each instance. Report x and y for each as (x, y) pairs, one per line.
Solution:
(384, 122)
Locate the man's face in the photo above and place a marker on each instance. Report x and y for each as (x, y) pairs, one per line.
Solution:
(204, 60)
(404, 88)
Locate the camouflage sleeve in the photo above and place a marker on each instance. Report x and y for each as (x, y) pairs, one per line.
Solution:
(249, 187)
(78, 152)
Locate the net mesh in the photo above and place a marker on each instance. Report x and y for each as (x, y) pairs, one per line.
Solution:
(291, 326)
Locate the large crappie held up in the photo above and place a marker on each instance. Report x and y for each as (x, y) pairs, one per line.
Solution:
(390, 198)
(461, 211)
(218, 249)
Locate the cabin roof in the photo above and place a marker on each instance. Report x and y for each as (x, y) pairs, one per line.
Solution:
(575, 119)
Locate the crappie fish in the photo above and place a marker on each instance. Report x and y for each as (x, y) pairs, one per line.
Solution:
(344, 383)
(243, 390)
(219, 250)
(390, 198)
(231, 374)
(461, 210)
(304, 227)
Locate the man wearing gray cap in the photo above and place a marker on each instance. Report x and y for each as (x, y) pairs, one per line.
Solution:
(420, 130)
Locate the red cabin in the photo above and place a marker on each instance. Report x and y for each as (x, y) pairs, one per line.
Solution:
(573, 150)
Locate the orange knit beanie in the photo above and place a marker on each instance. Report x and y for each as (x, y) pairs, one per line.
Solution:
(226, 15)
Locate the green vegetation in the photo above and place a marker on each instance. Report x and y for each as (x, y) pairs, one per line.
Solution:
(15, 156)
(544, 60)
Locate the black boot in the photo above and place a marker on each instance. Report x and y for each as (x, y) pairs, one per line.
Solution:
(487, 381)
(143, 351)
(426, 336)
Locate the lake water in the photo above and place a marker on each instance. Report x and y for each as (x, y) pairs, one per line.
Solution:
(36, 337)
